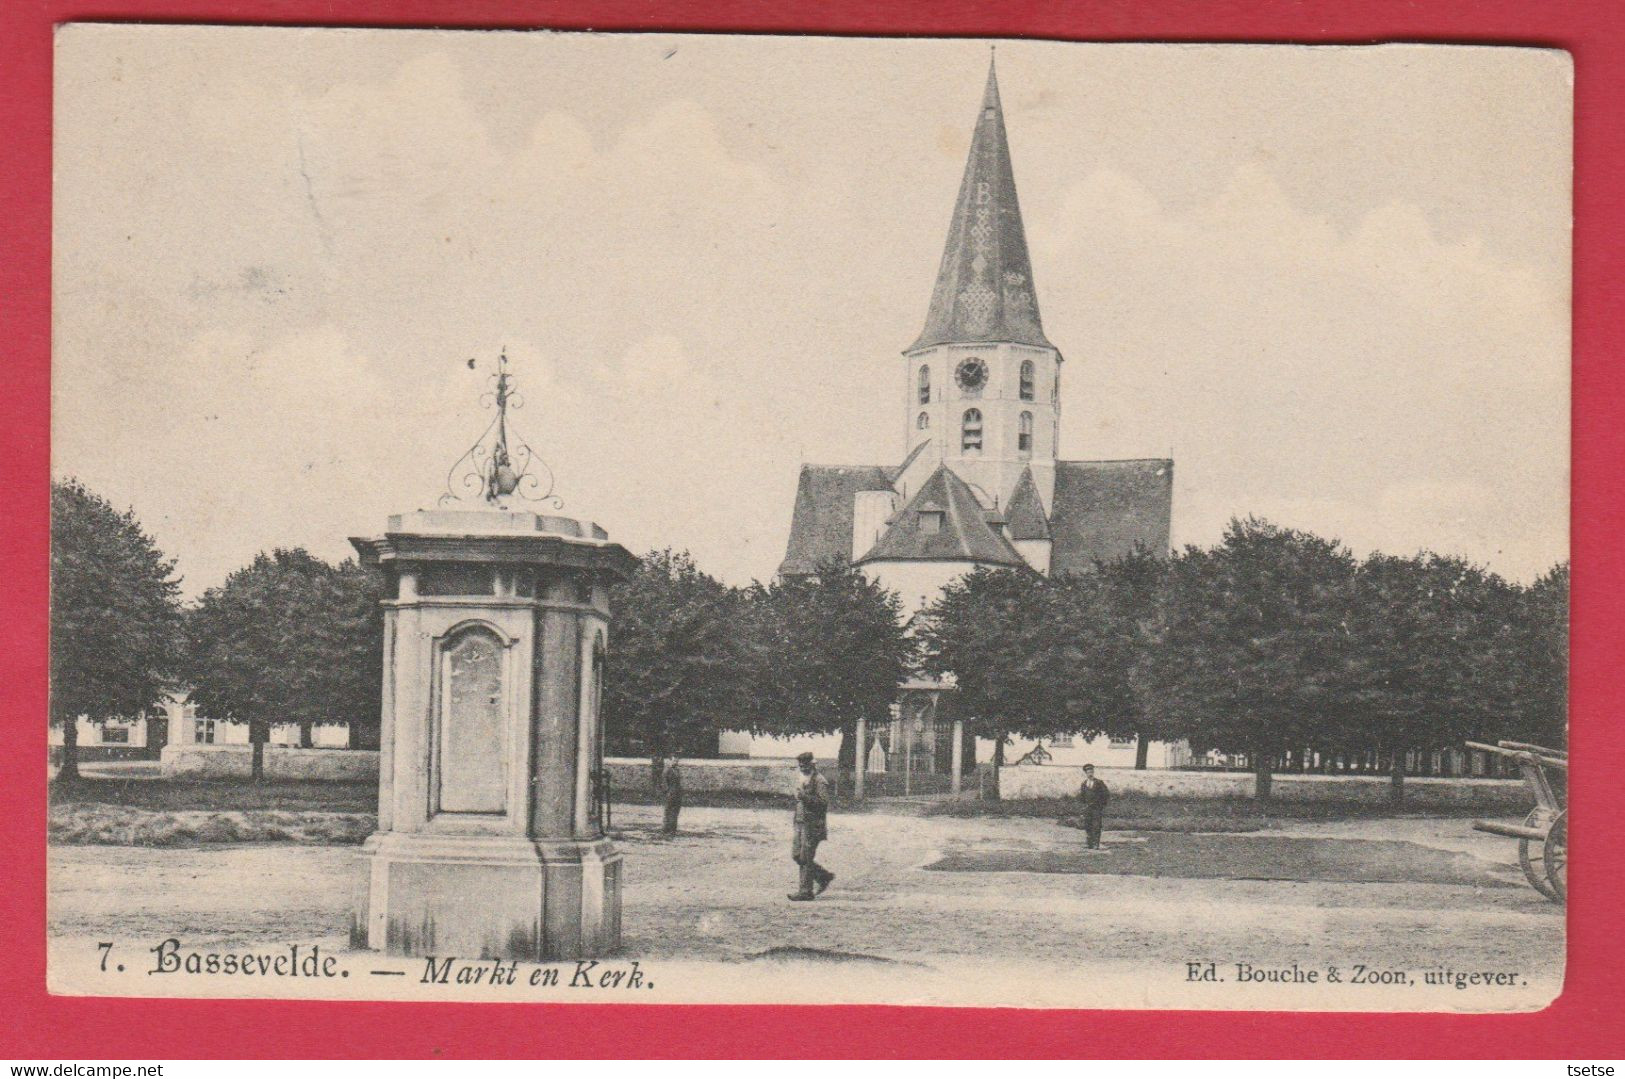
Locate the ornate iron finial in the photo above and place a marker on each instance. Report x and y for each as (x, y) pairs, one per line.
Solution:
(492, 469)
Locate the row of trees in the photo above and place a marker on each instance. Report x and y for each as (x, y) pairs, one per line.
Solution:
(288, 638)
(1267, 643)
(291, 638)
(692, 657)
(1271, 642)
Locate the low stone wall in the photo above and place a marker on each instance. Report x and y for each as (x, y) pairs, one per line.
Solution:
(1059, 781)
(281, 762)
(763, 775)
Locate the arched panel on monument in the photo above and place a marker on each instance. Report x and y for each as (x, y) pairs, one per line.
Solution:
(470, 731)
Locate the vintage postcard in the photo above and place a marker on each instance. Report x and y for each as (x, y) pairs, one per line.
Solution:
(697, 518)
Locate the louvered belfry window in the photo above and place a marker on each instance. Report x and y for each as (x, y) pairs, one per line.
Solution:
(1026, 380)
(925, 384)
(970, 432)
(1024, 438)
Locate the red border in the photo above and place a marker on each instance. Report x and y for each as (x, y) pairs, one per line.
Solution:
(1583, 1023)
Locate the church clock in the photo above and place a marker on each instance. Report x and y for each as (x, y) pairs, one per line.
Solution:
(971, 374)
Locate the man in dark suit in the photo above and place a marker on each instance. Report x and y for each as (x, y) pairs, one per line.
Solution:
(1094, 795)
(812, 809)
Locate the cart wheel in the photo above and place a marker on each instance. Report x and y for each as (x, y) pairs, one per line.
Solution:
(1557, 856)
(1533, 858)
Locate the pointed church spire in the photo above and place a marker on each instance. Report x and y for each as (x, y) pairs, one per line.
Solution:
(985, 283)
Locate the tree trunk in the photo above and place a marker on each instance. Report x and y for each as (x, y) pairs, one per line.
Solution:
(1261, 775)
(258, 734)
(998, 763)
(657, 769)
(70, 750)
(1142, 753)
(1396, 777)
(306, 732)
(846, 756)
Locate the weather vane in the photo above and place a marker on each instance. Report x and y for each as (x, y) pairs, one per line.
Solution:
(500, 464)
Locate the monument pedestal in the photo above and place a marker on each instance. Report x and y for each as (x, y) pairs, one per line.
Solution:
(490, 897)
(489, 841)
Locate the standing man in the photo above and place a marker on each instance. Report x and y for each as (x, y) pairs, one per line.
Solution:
(812, 811)
(671, 790)
(1093, 794)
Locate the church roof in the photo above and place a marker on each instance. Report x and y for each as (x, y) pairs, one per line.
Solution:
(821, 526)
(1105, 509)
(963, 533)
(984, 287)
(912, 454)
(1025, 517)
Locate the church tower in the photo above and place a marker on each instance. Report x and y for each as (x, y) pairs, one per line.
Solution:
(981, 382)
(979, 485)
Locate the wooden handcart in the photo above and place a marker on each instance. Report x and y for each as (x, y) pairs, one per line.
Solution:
(1543, 837)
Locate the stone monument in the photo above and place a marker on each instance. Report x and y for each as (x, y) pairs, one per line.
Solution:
(490, 839)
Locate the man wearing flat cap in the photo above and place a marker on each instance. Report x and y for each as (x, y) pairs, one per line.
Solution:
(812, 810)
(1094, 796)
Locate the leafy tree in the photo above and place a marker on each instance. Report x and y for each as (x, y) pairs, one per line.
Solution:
(356, 636)
(1433, 654)
(1077, 679)
(291, 639)
(992, 632)
(678, 666)
(1250, 645)
(826, 649)
(115, 616)
(1119, 627)
(1542, 693)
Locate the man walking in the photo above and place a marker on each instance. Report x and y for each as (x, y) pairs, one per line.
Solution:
(671, 790)
(1094, 795)
(812, 811)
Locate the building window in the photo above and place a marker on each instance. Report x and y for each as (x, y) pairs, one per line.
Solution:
(925, 384)
(924, 422)
(115, 734)
(1061, 741)
(1024, 439)
(1026, 380)
(930, 522)
(203, 731)
(1119, 743)
(970, 432)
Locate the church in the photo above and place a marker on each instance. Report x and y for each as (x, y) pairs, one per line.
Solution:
(980, 483)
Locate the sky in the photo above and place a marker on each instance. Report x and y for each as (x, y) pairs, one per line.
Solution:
(1332, 283)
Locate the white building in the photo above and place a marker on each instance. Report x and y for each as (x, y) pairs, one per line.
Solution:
(1101, 751)
(178, 723)
(980, 483)
(116, 733)
(187, 728)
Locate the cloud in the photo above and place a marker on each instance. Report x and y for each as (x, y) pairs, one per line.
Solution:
(1284, 359)
(267, 295)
